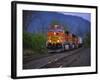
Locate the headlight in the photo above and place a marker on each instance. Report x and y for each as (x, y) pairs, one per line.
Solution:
(54, 33)
(49, 40)
(58, 41)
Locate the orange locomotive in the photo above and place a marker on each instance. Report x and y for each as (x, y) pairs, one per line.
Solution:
(58, 39)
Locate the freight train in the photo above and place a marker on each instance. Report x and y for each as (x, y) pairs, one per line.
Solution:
(60, 40)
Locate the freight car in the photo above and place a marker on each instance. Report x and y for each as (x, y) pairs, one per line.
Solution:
(60, 40)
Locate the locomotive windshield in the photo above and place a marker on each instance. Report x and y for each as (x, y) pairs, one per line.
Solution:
(55, 34)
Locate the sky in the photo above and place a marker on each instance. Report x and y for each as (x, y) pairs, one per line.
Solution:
(86, 16)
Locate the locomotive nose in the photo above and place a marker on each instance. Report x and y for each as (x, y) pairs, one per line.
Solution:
(54, 45)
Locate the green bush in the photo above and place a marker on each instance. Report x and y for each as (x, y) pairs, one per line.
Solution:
(36, 42)
(39, 42)
(27, 40)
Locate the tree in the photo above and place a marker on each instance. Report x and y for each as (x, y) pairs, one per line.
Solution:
(55, 22)
(87, 40)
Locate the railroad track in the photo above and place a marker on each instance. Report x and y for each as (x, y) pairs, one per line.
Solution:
(55, 59)
(65, 61)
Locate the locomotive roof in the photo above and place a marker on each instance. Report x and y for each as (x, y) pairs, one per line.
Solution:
(56, 28)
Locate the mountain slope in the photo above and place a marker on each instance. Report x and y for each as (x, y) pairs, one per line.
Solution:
(39, 21)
